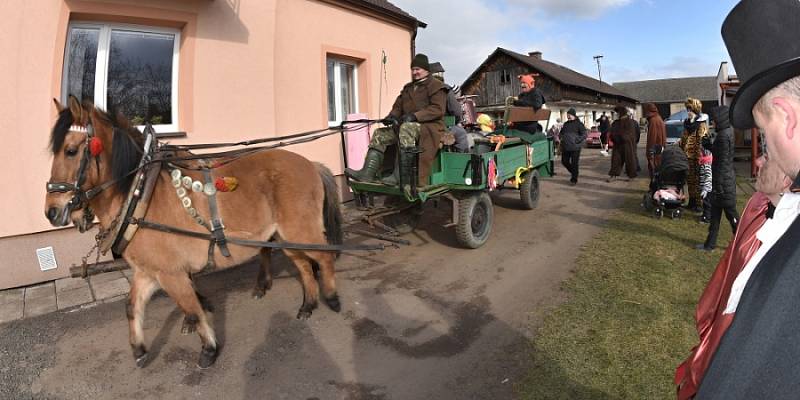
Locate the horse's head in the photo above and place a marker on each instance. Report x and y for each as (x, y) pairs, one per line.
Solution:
(91, 153)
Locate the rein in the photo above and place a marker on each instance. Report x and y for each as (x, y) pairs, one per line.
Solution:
(156, 153)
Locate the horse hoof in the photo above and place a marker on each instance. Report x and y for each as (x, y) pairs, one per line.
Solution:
(259, 293)
(334, 303)
(207, 357)
(140, 355)
(303, 314)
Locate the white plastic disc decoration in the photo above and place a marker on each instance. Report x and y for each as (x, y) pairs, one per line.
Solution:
(176, 174)
(176, 183)
(197, 186)
(181, 192)
(192, 212)
(209, 189)
(187, 182)
(187, 202)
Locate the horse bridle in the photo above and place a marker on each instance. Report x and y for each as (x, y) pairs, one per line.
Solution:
(80, 198)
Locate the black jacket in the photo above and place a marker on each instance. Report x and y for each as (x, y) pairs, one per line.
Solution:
(573, 135)
(723, 177)
(535, 99)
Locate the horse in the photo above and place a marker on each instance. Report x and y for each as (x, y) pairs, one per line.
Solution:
(280, 195)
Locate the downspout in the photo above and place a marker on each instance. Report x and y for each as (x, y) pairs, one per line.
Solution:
(414, 40)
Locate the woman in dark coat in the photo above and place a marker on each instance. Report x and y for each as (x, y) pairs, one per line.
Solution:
(723, 178)
(623, 134)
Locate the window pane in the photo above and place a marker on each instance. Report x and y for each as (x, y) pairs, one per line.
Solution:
(331, 92)
(348, 86)
(140, 76)
(81, 60)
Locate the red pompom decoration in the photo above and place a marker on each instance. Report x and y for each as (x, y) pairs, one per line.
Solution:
(95, 146)
(219, 183)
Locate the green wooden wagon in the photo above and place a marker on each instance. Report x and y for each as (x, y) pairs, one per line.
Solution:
(465, 179)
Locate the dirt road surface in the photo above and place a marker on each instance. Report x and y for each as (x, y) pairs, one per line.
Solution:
(429, 321)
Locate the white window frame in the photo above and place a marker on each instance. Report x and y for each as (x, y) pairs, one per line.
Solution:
(337, 88)
(101, 67)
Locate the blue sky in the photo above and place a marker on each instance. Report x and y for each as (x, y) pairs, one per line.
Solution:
(639, 39)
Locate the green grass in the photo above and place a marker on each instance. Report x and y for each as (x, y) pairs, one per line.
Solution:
(629, 316)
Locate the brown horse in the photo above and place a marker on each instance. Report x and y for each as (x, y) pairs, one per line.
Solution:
(280, 195)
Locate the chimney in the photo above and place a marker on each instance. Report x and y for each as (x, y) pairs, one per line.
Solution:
(535, 54)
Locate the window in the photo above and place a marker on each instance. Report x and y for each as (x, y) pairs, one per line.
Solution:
(342, 90)
(125, 68)
(505, 77)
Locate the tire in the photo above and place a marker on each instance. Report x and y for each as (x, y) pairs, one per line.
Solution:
(475, 217)
(529, 189)
(647, 202)
(676, 213)
(659, 213)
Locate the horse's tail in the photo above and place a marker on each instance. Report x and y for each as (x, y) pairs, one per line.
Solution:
(331, 209)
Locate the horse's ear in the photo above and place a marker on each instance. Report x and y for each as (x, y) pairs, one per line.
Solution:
(58, 105)
(75, 108)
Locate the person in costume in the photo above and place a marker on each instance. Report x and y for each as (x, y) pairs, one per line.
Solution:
(419, 112)
(656, 135)
(758, 356)
(695, 128)
(530, 96)
(623, 134)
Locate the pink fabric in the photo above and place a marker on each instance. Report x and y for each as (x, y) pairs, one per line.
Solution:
(357, 142)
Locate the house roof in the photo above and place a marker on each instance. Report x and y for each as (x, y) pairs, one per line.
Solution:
(674, 90)
(559, 73)
(386, 8)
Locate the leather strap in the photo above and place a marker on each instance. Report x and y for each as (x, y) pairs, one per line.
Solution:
(217, 228)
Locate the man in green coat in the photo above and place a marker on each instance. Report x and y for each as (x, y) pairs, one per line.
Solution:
(419, 111)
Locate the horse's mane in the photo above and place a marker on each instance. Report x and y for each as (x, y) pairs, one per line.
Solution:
(127, 144)
(60, 130)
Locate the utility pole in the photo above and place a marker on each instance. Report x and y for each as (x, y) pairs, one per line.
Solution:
(597, 59)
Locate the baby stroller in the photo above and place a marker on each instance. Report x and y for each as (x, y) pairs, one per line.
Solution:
(666, 187)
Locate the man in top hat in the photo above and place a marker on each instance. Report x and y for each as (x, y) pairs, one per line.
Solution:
(419, 111)
(759, 355)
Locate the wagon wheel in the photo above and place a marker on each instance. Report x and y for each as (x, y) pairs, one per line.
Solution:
(475, 216)
(529, 189)
(647, 202)
(659, 213)
(676, 213)
(405, 221)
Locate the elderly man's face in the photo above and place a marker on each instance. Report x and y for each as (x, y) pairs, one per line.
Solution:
(781, 133)
(418, 73)
(771, 179)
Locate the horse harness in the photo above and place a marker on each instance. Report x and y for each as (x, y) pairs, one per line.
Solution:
(131, 215)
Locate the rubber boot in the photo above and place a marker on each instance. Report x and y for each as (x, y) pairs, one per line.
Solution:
(372, 163)
(409, 173)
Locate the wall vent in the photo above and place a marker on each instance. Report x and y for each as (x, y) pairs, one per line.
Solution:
(47, 258)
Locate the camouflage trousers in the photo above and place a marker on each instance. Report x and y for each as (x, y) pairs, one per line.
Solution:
(384, 137)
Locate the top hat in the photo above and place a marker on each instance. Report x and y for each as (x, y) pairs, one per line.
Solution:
(761, 37)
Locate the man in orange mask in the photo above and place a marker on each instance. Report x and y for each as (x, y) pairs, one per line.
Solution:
(530, 96)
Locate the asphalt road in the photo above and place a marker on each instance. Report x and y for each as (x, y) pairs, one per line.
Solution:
(429, 321)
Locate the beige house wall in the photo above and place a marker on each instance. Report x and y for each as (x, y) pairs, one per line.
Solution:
(248, 68)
